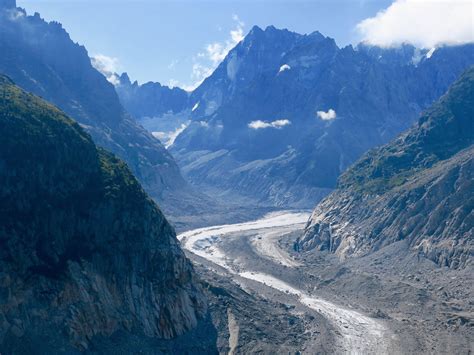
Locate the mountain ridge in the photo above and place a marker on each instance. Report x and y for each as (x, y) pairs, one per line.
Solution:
(41, 58)
(297, 111)
(416, 189)
(85, 252)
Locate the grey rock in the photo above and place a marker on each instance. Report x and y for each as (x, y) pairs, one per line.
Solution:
(417, 188)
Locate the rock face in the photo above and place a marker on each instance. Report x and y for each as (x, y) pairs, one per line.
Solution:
(150, 99)
(41, 58)
(417, 188)
(285, 114)
(84, 253)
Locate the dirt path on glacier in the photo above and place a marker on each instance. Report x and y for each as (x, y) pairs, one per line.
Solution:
(356, 332)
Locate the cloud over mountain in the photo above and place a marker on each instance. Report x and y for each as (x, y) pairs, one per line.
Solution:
(274, 124)
(422, 23)
(108, 66)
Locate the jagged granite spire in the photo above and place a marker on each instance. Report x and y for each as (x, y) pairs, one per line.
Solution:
(7, 4)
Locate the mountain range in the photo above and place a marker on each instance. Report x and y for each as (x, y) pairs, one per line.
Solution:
(89, 170)
(41, 58)
(285, 114)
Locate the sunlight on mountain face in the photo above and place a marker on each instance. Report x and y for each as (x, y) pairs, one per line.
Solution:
(290, 191)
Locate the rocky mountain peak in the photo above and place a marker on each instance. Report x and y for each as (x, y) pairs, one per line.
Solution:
(259, 36)
(125, 79)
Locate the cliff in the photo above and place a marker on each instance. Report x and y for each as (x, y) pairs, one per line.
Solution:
(84, 253)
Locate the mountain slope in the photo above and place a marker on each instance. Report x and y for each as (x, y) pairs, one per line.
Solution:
(417, 188)
(41, 58)
(285, 114)
(84, 252)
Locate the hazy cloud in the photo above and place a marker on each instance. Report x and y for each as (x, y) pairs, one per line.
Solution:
(423, 23)
(327, 116)
(108, 66)
(173, 64)
(214, 53)
(263, 124)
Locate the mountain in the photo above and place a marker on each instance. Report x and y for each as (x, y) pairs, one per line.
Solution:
(161, 110)
(285, 114)
(85, 254)
(150, 99)
(41, 58)
(416, 189)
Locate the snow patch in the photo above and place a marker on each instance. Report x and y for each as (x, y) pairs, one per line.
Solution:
(233, 66)
(195, 107)
(417, 57)
(168, 138)
(430, 53)
(283, 68)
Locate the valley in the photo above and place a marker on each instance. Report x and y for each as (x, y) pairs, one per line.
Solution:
(355, 332)
(257, 257)
(303, 193)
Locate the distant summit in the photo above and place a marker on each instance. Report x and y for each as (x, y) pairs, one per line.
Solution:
(150, 99)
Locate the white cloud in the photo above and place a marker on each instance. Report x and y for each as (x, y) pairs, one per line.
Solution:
(283, 68)
(214, 53)
(217, 51)
(263, 124)
(172, 83)
(327, 116)
(423, 23)
(108, 66)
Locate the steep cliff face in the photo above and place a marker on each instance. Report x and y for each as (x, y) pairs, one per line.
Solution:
(41, 58)
(417, 188)
(84, 253)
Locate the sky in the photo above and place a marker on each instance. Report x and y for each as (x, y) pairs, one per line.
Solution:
(180, 42)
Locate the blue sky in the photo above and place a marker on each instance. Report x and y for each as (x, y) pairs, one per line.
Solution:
(166, 41)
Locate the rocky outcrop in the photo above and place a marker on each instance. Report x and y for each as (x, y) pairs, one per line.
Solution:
(417, 188)
(84, 253)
